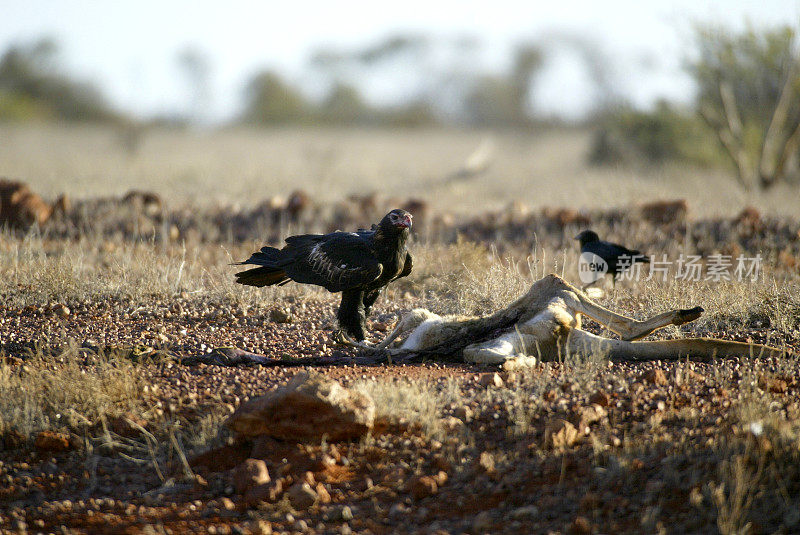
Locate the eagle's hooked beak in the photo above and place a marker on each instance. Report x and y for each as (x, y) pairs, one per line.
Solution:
(405, 222)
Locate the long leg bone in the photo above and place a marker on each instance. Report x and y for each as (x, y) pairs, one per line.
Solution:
(546, 322)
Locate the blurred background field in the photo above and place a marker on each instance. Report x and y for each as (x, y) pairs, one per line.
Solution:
(242, 167)
(588, 108)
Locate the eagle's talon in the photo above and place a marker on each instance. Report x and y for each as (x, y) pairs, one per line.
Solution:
(344, 339)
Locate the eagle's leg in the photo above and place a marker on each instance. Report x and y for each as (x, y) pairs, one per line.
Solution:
(351, 314)
(369, 299)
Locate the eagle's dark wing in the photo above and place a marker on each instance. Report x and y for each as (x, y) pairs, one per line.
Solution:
(337, 261)
(406, 266)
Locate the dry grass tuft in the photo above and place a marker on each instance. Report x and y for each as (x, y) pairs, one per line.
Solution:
(419, 403)
(54, 392)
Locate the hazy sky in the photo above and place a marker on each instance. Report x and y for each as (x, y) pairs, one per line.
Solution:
(130, 48)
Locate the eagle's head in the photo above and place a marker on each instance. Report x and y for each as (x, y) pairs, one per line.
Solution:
(397, 218)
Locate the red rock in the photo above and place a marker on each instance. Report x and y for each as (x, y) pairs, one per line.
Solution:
(491, 379)
(268, 492)
(665, 212)
(441, 463)
(251, 473)
(424, 486)
(302, 496)
(656, 376)
(306, 409)
(20, 207)
(600, 398)
(322, 493)
(52, 441)
(221, 459)
(260, 527)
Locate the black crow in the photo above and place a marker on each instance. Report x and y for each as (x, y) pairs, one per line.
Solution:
(358, 264)
(610, 253)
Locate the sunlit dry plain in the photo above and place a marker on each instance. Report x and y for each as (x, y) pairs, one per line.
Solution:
(103, 307)
(543, 167)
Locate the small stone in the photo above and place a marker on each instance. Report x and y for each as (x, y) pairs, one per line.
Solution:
(279, 315)
(52, 441)
(227, 503)
(259, 527)
(600, 398)
(61, 310)
(301, 496)
(424, 486)
(527, 511)
(583, 417)
(441, 463)
(463, 413)
(482, 523)
(487, 462)
(656, 376)
(267, 492)
(251, 473)
(452, 424)
(322, 493)
(346, 514)
(560, 434)
(491, 379)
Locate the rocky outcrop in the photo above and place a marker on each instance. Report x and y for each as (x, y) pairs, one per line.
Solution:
(20, 207)
(306, 409)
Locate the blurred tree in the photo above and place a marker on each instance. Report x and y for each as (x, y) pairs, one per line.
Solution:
(196, 69)
(505, 100)
(630, 136)
(494, 101)
(749, 93)
(32, 85)
(344, 105)
(270, 100)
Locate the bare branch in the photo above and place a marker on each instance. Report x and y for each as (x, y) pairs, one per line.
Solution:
(770, 167)
(732, 146)
(731, 110)
(792, 146)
